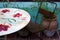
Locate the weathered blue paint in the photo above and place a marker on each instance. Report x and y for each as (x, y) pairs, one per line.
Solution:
(32, 8)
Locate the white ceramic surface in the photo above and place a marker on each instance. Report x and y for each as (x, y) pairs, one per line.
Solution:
(20, 21)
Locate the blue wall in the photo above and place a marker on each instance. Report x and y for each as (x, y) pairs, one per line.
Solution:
(32, 8)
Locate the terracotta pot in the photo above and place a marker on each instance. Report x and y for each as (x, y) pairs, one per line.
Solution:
(45, 23)
(49, 24)
(53, 24)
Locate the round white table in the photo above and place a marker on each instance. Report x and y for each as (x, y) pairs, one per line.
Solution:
(12, 20)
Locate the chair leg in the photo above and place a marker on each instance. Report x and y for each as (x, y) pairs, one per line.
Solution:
(38, 34)
(58, 34)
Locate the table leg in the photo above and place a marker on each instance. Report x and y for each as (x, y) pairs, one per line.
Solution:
(5, 37)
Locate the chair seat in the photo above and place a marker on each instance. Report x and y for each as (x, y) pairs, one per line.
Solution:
(34, 27)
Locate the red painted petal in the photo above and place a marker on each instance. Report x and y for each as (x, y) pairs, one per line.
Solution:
(4, 27)
(4, 11)
(17, 15)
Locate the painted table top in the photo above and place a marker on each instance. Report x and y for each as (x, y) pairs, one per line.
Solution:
(12, 20)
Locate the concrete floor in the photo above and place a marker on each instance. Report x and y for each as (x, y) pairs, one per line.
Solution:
(35, 36)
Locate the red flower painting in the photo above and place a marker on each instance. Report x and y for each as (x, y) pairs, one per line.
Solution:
(4, 27)
(24, 18)
(17, 15)
(5, 10)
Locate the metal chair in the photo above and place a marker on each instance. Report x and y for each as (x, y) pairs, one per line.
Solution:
(49, 15)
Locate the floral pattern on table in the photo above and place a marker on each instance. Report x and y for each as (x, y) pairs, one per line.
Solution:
(10, 18)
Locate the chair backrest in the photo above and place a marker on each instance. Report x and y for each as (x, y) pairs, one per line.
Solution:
(47, 13)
